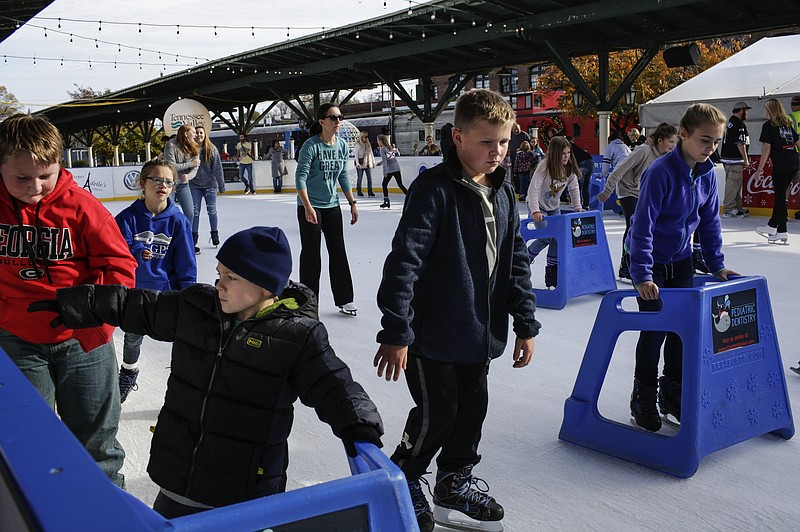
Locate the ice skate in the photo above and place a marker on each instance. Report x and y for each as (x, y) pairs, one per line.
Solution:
(669, 400)
(624, 268)
(385, 204)
(551, 276)
(349, 308)
(460, 501)
(698, 262)
(782, 238)
(797, 369)
(643, 407)
(215, 238)
(421, 507)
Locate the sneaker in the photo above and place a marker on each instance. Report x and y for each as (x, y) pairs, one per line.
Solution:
(731, 214)
(698, 262)
(669, 397)
(744, 213)
(421, 507)
(643, 406)
(467, 494)
(127, 382)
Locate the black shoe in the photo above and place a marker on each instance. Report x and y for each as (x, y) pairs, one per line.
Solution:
(215, 238)
(386, 204)
(669, 397)
(698, 263)
(459, 490)
(127, 382)
(551, 276)
(421, 507)
(643, 406)
(196, 250)
(360, 194)
(371, 194)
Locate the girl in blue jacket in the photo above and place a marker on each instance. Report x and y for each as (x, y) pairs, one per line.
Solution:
(678, 195)
(160, 239)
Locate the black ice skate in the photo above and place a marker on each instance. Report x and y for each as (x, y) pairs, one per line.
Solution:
(643, 407)
(215, 238)
(698, 262)
(624, 267)
(460, 501)
(669, 400)
(385, 204)
(127, 382)
(421, 508)
(349, 308)
(551, 276)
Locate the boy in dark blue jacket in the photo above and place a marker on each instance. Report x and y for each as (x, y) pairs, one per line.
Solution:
(457, 269)
(678, 195)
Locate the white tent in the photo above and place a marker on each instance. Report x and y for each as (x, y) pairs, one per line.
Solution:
(769, 68)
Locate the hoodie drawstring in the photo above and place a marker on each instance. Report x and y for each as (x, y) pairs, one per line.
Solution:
(33, 253)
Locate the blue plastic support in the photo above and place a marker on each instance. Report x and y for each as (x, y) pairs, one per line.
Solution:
(734, 387)
(49, 482)
(596, 186)
(584, 260)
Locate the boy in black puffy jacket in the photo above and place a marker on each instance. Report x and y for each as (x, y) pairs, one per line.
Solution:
(242, 353)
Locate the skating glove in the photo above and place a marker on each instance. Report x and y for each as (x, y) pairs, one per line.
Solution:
(354, 433)
(75, 306)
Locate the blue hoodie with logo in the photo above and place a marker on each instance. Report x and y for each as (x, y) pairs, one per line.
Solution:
(168, 235)
(674, 201)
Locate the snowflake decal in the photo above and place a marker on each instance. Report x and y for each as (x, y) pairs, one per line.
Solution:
(707, 356)
(763, 203)
(717, 419)
(752, 382)
(732, 391)
(766, 331)
(749, 199)
(777, 409)
(752, 416)
(773, 379)
(705, 399)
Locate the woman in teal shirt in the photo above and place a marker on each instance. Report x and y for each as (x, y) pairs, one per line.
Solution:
(321, 166)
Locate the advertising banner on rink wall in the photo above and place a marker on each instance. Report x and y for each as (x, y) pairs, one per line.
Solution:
(757, 190)
(186, 111)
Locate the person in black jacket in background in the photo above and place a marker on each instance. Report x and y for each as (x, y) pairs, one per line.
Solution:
(242, 353)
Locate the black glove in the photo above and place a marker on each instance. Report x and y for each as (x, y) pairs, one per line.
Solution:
(48, 305)
(354, 433)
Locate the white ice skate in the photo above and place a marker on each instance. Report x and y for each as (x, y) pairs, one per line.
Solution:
(458, 521)
(349, 308)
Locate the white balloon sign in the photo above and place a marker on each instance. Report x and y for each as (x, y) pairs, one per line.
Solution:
(186, 111)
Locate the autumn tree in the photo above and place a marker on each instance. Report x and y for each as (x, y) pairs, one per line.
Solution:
(9, 105)
(656, 79)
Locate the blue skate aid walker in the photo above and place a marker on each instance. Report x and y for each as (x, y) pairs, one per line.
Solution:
(733, 389)
(49, 482)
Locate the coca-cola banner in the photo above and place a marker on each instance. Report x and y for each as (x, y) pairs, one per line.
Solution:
(757, 189)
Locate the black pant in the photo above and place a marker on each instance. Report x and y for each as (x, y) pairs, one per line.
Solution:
(329, 222)
(398, 178)
(451, 402)
(780, 182)
(628, 205)
(648, 350)
(171, 509)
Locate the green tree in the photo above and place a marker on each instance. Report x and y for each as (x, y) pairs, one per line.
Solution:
(9, 105)
(656, 79)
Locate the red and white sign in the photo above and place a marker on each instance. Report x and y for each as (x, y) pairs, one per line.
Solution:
(757, 190)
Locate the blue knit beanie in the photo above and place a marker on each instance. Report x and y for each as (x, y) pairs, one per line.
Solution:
(261, 255)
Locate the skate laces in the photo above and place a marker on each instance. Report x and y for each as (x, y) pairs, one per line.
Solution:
(472, 489)
(418, 498)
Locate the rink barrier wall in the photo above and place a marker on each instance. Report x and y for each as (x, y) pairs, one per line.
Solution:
(49, 482)
(110, 183)
(584, 260)
(734, 387)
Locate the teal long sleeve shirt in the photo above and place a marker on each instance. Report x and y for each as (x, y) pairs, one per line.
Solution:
(320, 168)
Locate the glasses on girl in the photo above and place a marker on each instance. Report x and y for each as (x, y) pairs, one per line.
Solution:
(169, 183)
(335, 118)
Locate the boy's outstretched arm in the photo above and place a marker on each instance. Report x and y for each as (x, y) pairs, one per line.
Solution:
(393, 359)
(523, 351)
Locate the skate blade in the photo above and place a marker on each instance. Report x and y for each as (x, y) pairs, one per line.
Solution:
(348, 312)
(671, 420)
(796, 370)
(667, 429)
(457, 521)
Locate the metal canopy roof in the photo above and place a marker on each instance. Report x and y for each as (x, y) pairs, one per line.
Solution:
(12, 11)
(482, 35)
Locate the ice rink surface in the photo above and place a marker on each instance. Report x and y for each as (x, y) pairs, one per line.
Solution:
(543, 483)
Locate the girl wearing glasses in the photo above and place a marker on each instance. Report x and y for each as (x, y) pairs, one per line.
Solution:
(321, 166)
(159, 238)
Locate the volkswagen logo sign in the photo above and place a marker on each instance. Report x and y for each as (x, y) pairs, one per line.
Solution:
(131, 180)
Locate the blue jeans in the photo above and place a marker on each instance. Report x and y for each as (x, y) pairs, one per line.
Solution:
(246, 168)
(524, 182)
(360, 173)
(210, 195)
(131, 348)
(82, 387)
(587, 169)
(184, 198)
(540, 243)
